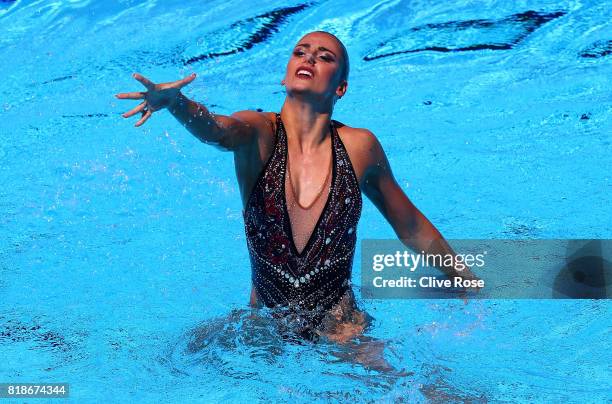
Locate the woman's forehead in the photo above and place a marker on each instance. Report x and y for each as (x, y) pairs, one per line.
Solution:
(322, 39)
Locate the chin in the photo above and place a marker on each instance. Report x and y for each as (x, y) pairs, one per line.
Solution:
(302, 88)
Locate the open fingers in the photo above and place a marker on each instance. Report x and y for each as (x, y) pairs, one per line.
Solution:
(182, 83)
(138, 95)
(135, 110)
(178, 84)
(145, 81)
(144, 118)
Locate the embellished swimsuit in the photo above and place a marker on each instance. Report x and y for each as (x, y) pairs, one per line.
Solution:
(315, 279)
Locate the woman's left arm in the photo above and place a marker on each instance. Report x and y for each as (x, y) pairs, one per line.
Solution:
(410, 225)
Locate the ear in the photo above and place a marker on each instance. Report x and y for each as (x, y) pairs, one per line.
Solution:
(282, 82)
(342, 87)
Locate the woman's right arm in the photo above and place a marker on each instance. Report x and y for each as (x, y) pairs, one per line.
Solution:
(228, 133)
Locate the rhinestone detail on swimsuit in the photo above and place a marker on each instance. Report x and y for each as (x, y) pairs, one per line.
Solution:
(319, 276)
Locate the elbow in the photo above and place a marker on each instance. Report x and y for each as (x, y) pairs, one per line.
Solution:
(411, 225)
(408, 230)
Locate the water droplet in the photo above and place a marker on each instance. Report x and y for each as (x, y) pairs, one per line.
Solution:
(302, 279)
(350, 230)
(327, 240)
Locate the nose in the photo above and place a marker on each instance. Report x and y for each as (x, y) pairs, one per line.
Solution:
(310, 58)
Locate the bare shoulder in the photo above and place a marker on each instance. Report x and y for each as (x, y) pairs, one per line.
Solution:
(362, 145)
(261, 127)
(263, 122)
(361, 139)
(359, 142)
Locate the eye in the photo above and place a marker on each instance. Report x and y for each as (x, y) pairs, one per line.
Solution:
(298, 53)
(327, 58)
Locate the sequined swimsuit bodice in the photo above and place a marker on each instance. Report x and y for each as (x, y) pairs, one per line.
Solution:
(319, 275)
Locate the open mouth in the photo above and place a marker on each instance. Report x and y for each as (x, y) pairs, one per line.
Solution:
(304, 73)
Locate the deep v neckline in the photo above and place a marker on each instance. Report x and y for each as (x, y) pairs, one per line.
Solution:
(332, 186)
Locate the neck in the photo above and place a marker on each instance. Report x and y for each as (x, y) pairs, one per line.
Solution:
(307, 122)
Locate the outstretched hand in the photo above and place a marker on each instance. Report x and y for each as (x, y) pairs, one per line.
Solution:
(157, 96)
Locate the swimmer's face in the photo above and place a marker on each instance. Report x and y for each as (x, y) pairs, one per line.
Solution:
(321, 55)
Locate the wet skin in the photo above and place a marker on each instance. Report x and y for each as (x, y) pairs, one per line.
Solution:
(361, 146)
(306, 115)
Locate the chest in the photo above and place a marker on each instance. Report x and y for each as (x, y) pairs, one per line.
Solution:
(308, 171)
(268, 221)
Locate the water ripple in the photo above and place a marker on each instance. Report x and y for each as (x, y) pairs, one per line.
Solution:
(597, 49)
(241, 35)
(468, 35)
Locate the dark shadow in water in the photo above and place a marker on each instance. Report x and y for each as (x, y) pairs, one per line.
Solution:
(258, 28)
(6, 4)
(87, 116)
(58, 79)
(586, 274)
(597, 49)
(458, 36)
(238, 37)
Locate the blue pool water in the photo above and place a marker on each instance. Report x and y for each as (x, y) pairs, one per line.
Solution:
(122, 249)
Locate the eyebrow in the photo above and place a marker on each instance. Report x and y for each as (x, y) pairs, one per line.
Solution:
(307, 45)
